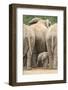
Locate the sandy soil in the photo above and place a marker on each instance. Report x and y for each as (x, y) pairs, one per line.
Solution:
(40, 71)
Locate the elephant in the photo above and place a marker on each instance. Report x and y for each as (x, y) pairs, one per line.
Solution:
(25, 40)
(28, 45)
(40, 28)
(25, 45)
(43, 59)
(51, 42)
(35, 36)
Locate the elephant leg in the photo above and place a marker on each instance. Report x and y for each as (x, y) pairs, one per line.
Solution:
(55, 53)
(50, 62)
(29, 55)
(24, 61)
(45, 65)
(55, 63)
(34, 58)
(25, 46)
(55, 58)
(49, 48)
(30, 52)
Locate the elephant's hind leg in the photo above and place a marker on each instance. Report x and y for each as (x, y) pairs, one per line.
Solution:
(55, 58)
(49, 48)
(29, 54)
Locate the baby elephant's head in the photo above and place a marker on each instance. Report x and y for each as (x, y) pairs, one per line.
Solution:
(43, 58)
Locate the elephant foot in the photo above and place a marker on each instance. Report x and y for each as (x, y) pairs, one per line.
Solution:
(54, 67)
(29, 68)
(34, 66)
(45, 67)
(50, 67)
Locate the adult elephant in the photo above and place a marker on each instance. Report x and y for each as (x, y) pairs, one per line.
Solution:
(28, 45)
(51, 41)
(36, 37)
(40, 28)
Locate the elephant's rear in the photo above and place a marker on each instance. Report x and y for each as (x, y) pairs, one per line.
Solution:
(51, 41)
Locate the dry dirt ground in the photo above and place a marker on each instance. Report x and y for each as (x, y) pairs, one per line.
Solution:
(40, 71)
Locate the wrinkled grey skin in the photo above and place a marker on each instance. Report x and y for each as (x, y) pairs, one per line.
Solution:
(43, 58)
(51, 41)
(35, 36)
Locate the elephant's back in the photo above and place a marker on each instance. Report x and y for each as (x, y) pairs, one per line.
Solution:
(39, 32)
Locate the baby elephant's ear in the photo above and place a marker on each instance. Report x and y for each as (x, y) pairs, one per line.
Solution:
(33, 21)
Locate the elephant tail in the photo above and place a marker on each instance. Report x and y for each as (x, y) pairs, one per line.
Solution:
(52, 44)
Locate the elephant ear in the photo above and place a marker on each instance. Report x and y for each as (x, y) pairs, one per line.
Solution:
(47, 23)
(33, 21)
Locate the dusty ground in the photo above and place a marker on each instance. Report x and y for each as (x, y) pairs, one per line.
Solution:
(40, 71)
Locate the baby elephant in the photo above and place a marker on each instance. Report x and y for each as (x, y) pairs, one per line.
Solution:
(43, 59)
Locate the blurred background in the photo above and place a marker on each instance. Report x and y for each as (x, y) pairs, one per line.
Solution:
(27, 18)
